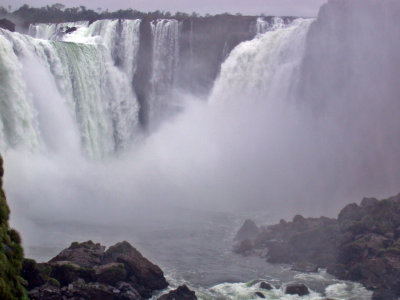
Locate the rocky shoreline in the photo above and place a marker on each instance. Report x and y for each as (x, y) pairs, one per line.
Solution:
(361, 245)
(89, 271)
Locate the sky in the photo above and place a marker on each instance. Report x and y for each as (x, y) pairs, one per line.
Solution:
(307, 8)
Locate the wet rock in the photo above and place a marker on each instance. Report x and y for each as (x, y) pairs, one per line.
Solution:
(297, 289)
(127, 292)
(249, 230)
(66, 272)
(362, 244)
(70, 29)
(7, 24)
(383, 294)
(87, 254)
(110, 273)
(86, 271)
(304, 267)
(47, 291)
(259, 295)
(266, 286)
(181, 293)
(144, 276)
(244, 247)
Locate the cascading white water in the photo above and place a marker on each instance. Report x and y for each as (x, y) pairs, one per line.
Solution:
(233, 154)
(93, 75)
(262, 25)
(165, 59)
(263, 68)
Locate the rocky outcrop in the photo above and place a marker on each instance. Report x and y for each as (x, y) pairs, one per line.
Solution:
(362, 244)
(7, 24)
(11, 253)
(249, 230)
(181, 293)
(86, 270)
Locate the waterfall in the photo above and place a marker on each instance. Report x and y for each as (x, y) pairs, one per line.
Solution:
(264, 25)
(165, 59)
(92, 69)
(265, 67)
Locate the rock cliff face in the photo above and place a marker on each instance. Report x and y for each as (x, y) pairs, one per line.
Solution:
(11, 253)
(142, 77)
(7, 24)
(89, 271)
(362, 244)
(203, 45)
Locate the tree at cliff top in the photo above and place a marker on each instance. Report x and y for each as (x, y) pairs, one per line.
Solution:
(11, 252)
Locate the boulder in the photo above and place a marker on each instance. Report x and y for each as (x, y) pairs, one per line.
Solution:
(259, 295)
(265, 286)
(249, 230)
(70, 29)
(297, 289)
(141, 273)
(87, 254)
(181, 293)
(86, 271)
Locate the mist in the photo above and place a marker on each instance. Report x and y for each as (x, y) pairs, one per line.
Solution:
(296, 122)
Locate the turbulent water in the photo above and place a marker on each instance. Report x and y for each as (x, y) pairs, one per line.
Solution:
(291, 125)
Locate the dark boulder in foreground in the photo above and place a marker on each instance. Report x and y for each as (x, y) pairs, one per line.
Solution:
(362, 244)
(181, 293)
(7, 24)
(297, 289)
(87, 271)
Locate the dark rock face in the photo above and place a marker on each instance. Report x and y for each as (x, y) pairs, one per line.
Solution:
(7, 24)
(259, 295)
(141, 80)
(297, 289)
(86, 270)
(362, 245)
(249, 230)
(204, 44)
(181, 293)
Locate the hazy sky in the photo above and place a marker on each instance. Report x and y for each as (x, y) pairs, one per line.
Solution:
(269, 7)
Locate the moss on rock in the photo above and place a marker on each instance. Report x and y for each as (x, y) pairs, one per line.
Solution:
(11, 252)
